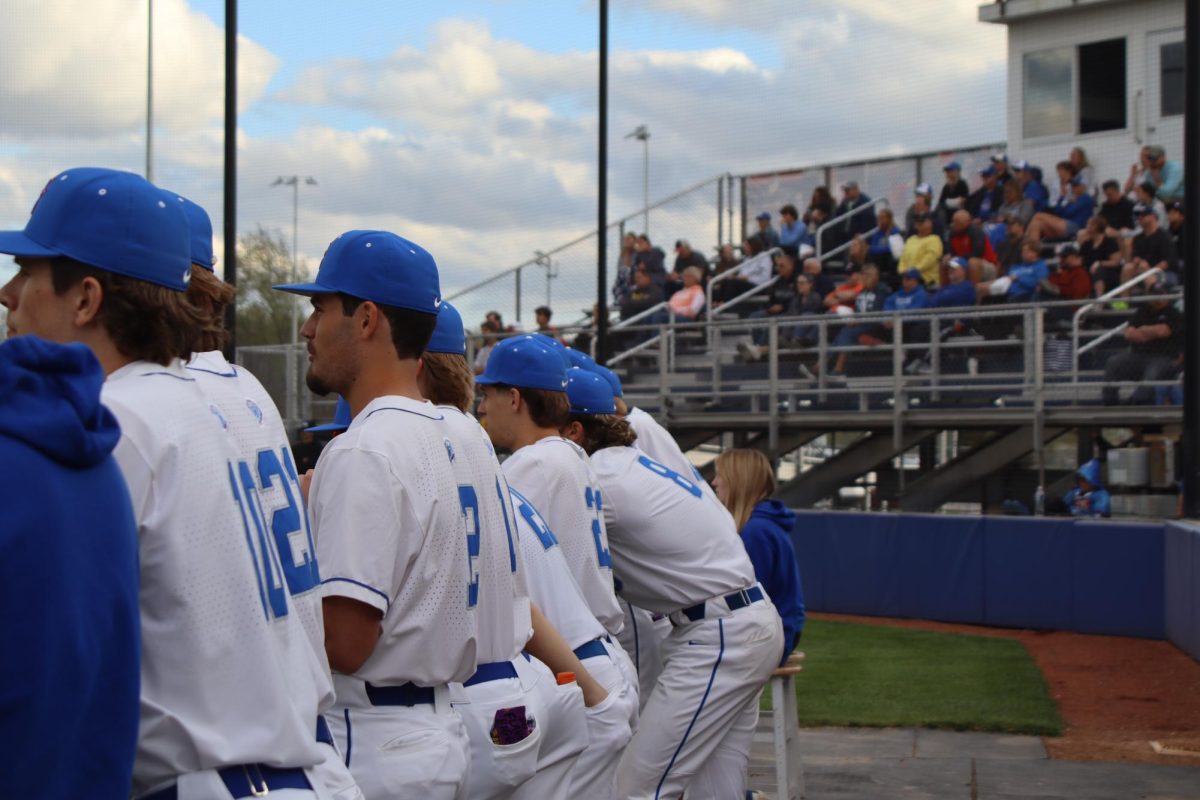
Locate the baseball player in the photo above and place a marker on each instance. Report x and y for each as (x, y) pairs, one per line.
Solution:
(254, 426)
(524, 399)
(105, 260)
(643, 632)
(68, 579)
(538, 764)
(399, 558)
(678, 552)
(447, 378)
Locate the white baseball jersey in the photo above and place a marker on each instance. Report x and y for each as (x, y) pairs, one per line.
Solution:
(502, 611)
(558, 479)
(255, 427)
(551, 585)
(217, 624)
(391, 532)
(657, 442)
(674, 544)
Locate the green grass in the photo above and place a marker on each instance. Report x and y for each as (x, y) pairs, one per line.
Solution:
(880, 676)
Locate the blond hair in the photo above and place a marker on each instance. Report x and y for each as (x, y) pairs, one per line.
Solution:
(450, 382)
(747, 479)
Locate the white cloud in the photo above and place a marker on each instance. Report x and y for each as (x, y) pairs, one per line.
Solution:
(71, 72)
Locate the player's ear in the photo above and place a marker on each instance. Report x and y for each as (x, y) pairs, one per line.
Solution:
(368, 319)
(514, 399)
(573, 430)
(88, 298)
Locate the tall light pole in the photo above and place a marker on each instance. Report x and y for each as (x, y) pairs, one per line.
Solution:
(150, 90)
(642, 134)
(294, 182)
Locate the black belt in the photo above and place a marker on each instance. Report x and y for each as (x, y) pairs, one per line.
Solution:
(247, 780)
(494, 671)
(739, 599)
(590, 650)
(406, 694)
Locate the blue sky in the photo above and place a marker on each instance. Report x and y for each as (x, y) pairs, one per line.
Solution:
(470, 125)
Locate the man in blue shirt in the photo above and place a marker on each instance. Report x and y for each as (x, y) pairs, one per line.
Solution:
(791, 230)
(1166, 176)
(1027, 276)
(1066, 217)
(1032, 187)
(766, 230)
(958, 291)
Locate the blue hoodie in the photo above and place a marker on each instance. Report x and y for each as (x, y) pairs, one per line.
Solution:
(767, 537)
(68, 580)
(1026, 278)
(1097, 502)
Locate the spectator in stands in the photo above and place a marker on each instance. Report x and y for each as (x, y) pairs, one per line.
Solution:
(779, 302)
(809, 238)
(1088, 498)
(1079, 160)
(856, 224)
(821, 199)
(744, 482)
(1011, 242)
(688, 302)
(624, 280)
(1003, 172)
(857, 254)
(1029, 177)
(911, 297)
(969, 242)
(1153, 166)
(922, 204)
(1101, 255)
(543, 314)
(955, 191)
(1016, 204)
(822, 283)
(870, 298)
(1152, 249)
(885, 244)
(1068, 216)
(1065, 172)
(651, 259)
(489, 329)
(841, 299)
(807, 301)
(1175, 228)
(791, 229)
(923, 250)
(727, 258)
(1025, 279)
(1144, 195)
(767, 230)
(1071, 281)
(958, 289)
(1117, 210)
(755, 270)
(1155, 336)
(984, 203)
(685, 257)
(645, 295)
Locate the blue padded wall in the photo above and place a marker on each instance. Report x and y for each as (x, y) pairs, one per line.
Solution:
(1054, 574)
(1181, 558)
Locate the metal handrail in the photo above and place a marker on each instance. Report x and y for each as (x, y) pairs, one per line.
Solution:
(1084, 309)
(843, 246)
(847, 215)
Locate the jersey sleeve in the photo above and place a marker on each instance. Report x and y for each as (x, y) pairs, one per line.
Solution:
(359, 527)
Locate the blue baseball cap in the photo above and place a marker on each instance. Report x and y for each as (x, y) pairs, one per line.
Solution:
(377, 266)
(112, 220)
(911, 273)
(923, 188)
(581, 359)
(764, 215)
(1021, 165)
(556, 346)
(200, 230)
(953, 165)
(526, 362)
(957, 261)
(449, 336)
(589, 393)
(613, 381)
(988, 171)
(341, 418)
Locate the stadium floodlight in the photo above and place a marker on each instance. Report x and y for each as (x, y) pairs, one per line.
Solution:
(642, 134)
(294, 182)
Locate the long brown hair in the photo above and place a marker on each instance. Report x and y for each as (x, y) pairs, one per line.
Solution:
(746, 480)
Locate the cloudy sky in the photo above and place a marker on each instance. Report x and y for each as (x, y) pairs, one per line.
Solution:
(470, 125)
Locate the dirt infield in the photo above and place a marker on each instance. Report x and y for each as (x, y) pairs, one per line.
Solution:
(1115, 694)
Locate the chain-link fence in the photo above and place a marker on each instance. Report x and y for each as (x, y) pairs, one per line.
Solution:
(891, 178)
(281, 369)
